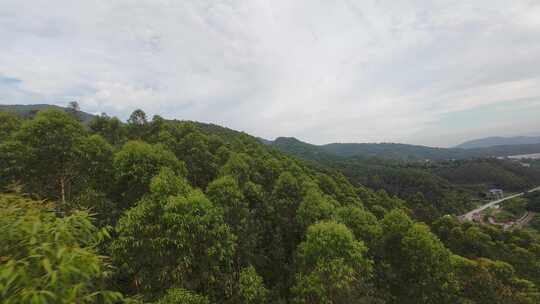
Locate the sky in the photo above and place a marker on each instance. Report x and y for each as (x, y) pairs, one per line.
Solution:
(422, 72)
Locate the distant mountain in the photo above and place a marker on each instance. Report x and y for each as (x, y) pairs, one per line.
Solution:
(265, 141)
(31, 110)
(499, 141)
(296, 147)
(381, 150)
(391, 150)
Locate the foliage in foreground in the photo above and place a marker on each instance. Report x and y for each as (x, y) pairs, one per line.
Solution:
(49, 259)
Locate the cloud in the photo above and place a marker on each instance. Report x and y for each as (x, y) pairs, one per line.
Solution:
(323, 71)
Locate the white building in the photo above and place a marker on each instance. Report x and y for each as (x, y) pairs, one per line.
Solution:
(495, 193)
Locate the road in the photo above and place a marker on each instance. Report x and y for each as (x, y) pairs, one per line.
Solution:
(469, 215)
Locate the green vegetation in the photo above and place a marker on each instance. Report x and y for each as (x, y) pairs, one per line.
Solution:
(517, 250)
(535, 223)
(508, 175)
(509, 210)
(502, 216)
(49, 259)
(430, 188)
(157, 211)
(533, 201)
(515, 207)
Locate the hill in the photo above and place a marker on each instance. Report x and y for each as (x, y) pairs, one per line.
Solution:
(499, 141)
(381, 150)
(396, 151)
(31, 110)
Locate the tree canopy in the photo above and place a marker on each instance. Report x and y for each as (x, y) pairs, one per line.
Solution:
(166, 211)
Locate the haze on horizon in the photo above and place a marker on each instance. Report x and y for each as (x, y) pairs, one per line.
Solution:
(322, 71)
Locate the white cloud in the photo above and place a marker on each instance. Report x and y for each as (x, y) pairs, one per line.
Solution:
(320, 70)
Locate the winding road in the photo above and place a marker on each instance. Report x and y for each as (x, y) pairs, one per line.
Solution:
(469, 215)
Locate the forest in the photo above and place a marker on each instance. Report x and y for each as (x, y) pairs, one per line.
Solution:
(168, 211)
(430, 187)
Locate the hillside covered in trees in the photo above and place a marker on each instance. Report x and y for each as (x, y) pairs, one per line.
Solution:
(395, 151)
(158, 211)
(430, 188)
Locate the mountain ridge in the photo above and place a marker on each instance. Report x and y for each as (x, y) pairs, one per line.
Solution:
(493, 141)
(396, 150)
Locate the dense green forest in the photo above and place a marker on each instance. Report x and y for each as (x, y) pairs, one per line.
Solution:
(159, 211)
(430, 188)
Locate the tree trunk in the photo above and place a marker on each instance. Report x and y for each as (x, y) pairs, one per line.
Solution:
(63, 190)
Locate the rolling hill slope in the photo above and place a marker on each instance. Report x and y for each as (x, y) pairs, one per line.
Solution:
(396, 151)
(31, 110)
(499, 141)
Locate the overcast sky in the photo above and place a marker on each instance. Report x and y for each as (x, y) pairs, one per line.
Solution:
(423, 72)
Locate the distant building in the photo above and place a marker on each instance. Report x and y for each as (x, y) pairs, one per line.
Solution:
(495, 193)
